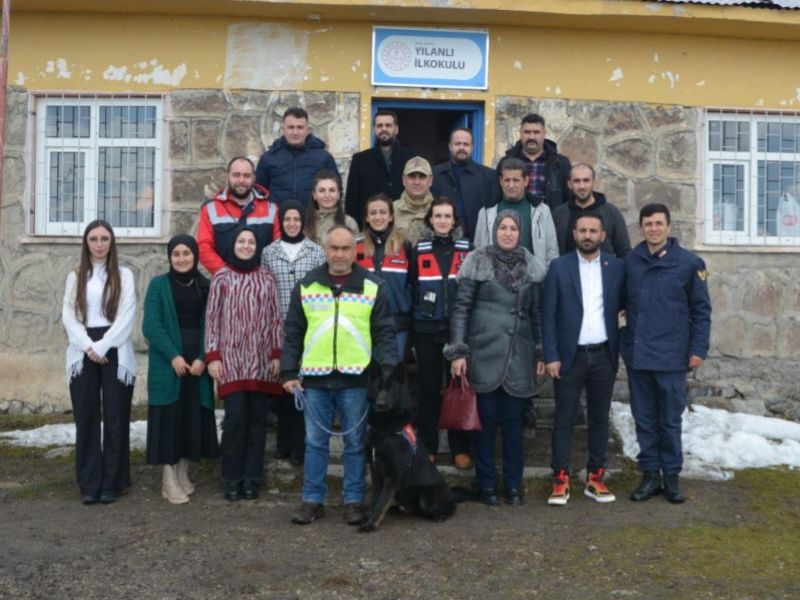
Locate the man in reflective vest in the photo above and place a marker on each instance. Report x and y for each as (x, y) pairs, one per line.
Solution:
(241, 202)
(338, 322)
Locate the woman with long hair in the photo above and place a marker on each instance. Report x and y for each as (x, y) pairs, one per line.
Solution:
(495, 343)
(383, 250)
(289, 259)
(98, 313)
(326, 209)
(438, 256)
(180, 394)
(243, 345)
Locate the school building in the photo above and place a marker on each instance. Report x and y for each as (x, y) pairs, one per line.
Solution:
(129, 111)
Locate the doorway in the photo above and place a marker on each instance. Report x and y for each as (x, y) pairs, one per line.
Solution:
(425, 126)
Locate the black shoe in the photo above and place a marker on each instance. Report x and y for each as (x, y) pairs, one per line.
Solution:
(108, 497)
(354, 514)
(514, 497)
(308, 513)
(671, 490)
(250, 489)
(233, 490)
(488, 496)
(88, 499)
(650, 486)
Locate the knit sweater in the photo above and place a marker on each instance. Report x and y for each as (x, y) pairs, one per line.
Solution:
(118, 335)
(243, 329)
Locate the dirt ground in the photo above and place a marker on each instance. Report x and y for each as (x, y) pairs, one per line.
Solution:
(737, 539)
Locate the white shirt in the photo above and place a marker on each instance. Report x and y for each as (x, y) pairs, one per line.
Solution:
(292, 250)
(94, 296)
(593, 326)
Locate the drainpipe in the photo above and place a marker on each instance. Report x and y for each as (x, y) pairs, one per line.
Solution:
(3, 84)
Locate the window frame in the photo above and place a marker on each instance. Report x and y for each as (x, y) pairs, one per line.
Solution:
(90, 147)
(750, 159)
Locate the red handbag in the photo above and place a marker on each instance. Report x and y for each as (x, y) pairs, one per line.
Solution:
(460, 407)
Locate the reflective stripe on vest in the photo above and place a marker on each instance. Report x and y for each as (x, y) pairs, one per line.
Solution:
(338, 329)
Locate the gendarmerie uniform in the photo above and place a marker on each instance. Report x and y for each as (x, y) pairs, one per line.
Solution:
(101, 393)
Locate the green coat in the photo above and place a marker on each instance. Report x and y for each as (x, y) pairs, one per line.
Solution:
(160, 327)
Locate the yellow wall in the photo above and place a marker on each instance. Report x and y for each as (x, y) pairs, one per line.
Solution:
(118, 53)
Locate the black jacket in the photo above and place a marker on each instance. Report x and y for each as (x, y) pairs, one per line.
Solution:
(479, 188)
(384, 347)
(558, 168)
(368, 176)
(617, 241)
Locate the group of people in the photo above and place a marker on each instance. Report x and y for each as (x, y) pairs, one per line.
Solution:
(499, 276)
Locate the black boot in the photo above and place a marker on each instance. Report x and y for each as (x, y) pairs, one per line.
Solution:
(649, 487)
(672, 491)
(233, 490)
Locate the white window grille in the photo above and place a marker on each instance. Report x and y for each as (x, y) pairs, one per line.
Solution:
(98, 158)
(752, 179)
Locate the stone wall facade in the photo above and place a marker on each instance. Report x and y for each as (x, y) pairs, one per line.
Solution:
(642, 153)
(204, 129)
(647, 153)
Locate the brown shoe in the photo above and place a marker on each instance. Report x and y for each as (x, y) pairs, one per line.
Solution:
(353, 513)
(308, 513)
(462, 461)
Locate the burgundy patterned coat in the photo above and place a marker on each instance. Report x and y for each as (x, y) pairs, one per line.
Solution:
(243, 329)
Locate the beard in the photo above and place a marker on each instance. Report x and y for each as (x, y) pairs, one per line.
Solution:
(461, 158)
(241, 196)
(588, 246)
(385, 141)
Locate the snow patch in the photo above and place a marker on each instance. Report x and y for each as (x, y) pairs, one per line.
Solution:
(717, 442)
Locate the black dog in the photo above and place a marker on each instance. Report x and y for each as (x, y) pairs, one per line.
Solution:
(398, 463)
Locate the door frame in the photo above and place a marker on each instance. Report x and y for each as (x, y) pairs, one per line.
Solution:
(473, 117)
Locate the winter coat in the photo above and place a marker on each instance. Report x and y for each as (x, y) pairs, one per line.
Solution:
(479, 188)
(557, 175)
(288, 272)
(543, 233)
(368, 176)
(288, 172)
(384, 346)
(497, 330)
(668, 308)
(326, 219)
(161, 328)
(617, 241)
(409, 216)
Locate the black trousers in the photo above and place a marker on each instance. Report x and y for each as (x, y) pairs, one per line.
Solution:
(101, 465)
(431, 364)
(244, 436)
(591, 370)
(291, 430)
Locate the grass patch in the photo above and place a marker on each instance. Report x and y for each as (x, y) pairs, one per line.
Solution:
(15, 422)
(754, 553)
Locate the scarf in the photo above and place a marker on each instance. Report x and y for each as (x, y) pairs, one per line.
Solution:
(189, 242)
(236, 262)
(510, 266)
(286, 207)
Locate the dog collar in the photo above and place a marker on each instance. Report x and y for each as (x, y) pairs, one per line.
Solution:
(410, 435)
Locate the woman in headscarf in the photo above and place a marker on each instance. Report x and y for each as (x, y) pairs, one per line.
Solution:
(495, 342)
(180, 395)
(243, 342)
(289, 259)
(99, 313)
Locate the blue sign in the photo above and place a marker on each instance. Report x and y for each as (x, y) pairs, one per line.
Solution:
(442, 58)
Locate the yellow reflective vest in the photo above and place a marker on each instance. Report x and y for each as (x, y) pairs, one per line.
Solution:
(338, 332)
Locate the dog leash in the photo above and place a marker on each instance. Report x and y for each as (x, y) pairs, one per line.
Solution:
(301, 405)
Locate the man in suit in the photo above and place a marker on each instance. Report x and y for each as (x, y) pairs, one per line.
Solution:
(377, 169)
(469, 184)
(583, 295)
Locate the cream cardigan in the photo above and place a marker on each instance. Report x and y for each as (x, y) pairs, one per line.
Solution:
(118, 335)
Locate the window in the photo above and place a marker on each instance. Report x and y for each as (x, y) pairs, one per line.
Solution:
(752, 194)
(98, 158)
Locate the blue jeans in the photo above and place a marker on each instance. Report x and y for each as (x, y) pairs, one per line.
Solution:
(500, 408)
(321, 405)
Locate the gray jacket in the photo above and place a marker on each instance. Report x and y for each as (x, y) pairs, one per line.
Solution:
(617, 241)
(543, 233)
(496, 329)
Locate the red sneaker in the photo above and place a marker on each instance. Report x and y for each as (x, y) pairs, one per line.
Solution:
(560, 494)
(596, 488)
